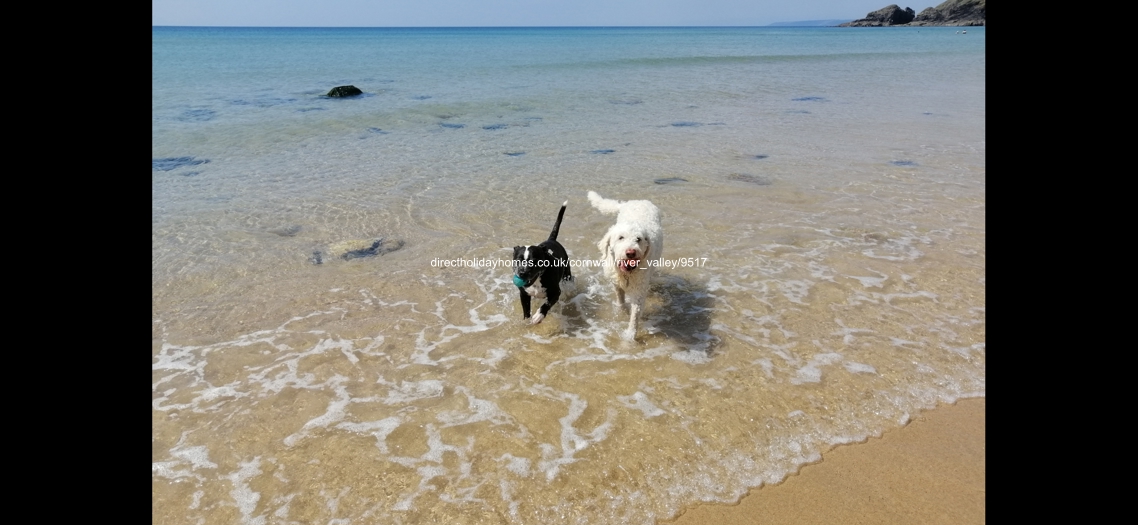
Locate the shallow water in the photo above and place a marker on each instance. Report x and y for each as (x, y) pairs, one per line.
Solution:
(824, 205)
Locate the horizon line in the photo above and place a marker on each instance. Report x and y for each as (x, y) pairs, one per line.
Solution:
(500, 27)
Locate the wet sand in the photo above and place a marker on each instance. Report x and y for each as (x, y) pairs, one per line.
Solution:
(930, 471)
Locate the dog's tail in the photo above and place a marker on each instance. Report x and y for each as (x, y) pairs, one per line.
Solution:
(608, 206)
(557, 225)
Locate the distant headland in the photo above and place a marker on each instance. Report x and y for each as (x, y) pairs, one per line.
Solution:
(949, 13)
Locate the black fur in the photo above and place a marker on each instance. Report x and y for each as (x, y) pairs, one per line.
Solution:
(547, 266)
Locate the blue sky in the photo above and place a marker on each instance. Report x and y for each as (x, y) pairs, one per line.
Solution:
(441, 13)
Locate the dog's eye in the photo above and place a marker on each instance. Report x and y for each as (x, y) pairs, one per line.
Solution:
(621, 238)
(638, 239)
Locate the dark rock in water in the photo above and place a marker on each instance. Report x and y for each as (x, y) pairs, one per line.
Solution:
(803, 99)
(287, 231)
(379, 247)
(761, 156)
(306, 110)
(378, 131)
(515, 153)
(902, 163)
(197, 115)
(452, 126)
(603, 151)
(495, 126)
(686, 124)
(798, 111)
(345, 91)
(753, 179)
(669, 180)
(173, 163)
(420, 97)
(354, 249)
(190, 173)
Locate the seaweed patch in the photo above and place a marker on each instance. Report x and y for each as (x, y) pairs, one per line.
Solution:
(451, 125)
(495, 126)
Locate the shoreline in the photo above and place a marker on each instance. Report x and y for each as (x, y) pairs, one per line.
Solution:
(932, 470)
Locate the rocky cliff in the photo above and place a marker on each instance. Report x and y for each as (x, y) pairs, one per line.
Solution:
(949, 13)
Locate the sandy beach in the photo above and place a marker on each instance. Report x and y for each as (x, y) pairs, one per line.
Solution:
(930, 471)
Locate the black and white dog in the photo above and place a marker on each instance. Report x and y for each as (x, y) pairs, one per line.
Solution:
(541, 271)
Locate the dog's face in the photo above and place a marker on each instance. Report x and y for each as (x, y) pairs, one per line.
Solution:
(627, 247)
(525, 264)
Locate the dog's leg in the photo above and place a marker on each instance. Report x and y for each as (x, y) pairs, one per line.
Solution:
(619, 296)
(551, 296)
(634, 308)
(525, 303)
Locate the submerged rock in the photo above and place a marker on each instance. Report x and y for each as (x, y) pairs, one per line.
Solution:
(345, 91)
(173, 163)
(354, 249)
(287, 231)
(753, 179)
(669, 180)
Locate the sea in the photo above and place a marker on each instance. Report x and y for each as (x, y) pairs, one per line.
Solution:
(336, 337)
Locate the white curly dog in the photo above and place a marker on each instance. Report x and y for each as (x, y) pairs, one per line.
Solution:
(636, 238)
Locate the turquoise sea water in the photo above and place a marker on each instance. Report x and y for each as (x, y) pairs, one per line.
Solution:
(830, 182)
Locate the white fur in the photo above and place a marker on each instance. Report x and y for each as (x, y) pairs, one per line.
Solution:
(637, 235)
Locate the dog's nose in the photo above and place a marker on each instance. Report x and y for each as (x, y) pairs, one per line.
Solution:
(631, 254)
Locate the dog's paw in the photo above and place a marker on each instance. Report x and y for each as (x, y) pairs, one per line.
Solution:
(628, 334)
(536, 319)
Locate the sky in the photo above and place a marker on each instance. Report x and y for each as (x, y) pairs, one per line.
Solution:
(488, 13)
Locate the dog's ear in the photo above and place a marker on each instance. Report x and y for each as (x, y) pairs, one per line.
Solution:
(518, 251)
(603, 245)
